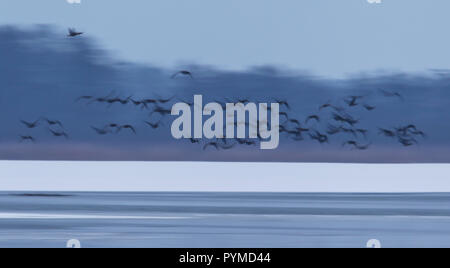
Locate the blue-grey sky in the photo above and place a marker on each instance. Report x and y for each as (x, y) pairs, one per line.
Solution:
(130, 46)
(327, 37)
(43, 72)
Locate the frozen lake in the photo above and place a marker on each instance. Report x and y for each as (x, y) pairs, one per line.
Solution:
(175, 219)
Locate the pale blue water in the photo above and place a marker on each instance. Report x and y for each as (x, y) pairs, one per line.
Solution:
(224, 220)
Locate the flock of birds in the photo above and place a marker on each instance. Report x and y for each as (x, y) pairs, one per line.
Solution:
(341, 121)
(54, 127)
(331, 119)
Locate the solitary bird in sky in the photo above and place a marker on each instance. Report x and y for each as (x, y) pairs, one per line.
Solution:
(73, 33)
(184, 73)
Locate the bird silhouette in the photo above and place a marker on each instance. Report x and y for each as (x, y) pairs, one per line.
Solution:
(125, 101)
(349, 131)
(363, 132)
(312, 117)
(30, 124)
(321, 138)
(294, 121)
(407, 142)
(74, 33)
(245, 142)
(154, 125)
(409, 130)
(227, 146)
(301, 129)
(338, 109)
(345, 119)
(150, 101)
(324, 106)
(194, 141)
(419, 133)
(389, 94)
(53, 122)
(333, 130)
(27, 138)
(164, 101)
(101, 99)
(161, 111)
(140, 103)
(352, 100)
(243, 101)
(369, 108)
(283, 103)
(130, 127)
(112, 125)
(59, 134)
(100, 131)
(387, 132)
(184, 73)
(356, 145)
(286, 115)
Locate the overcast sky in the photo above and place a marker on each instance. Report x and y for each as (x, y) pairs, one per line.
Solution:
(327, 37)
